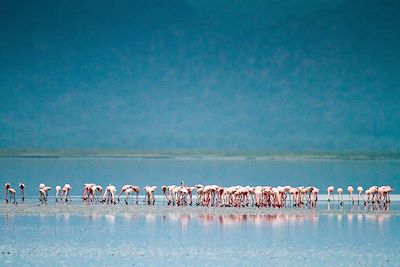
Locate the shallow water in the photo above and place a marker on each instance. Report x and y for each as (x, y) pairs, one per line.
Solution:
(78, 234)
(193, 236)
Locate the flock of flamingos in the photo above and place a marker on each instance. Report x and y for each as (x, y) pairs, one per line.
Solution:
(211, 195)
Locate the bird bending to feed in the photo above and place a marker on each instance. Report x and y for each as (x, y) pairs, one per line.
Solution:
(330, 193)
(65, 192)
(7, 186)
(360, 190)
(350, 190)
(10, 193)
(58, 189)
(43, 193)
(109, 194)
(129, 189)
(149, 191)
(340, 196)
(22, 188)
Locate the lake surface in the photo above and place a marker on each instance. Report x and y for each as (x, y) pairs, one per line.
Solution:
(120, 171)
(198, 239)
(78, 234)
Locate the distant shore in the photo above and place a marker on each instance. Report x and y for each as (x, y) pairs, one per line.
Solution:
(202, 155)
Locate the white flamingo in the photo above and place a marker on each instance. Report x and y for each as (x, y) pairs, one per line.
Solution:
(150, 194)
(340, 196)
(360, 190)
(65, 192)
(109, 194)
(350, 190)
(58, 189)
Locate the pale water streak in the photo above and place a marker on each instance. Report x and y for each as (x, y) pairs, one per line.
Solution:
(192, 236)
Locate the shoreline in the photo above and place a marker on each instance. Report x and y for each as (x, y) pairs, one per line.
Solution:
(205, 155)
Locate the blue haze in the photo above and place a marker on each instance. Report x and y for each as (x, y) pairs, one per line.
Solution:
(214, 75)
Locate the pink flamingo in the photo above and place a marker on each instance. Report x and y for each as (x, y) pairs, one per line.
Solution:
(58, 189)
(65, 192)
(7, 186)
(293, 193)
(109, 194)
(128, 192)
(131, 190)
(150, 194)
(164, 190)
(43, 192)
(340, 197)
(123, 189)
(96, 191)
(258, 195)
(385, 191)
(360, 190)
(199, 194)
(373, 193)
(87, 191)
(350, 190)
(330, 193)
(315, 192)
(12, 192)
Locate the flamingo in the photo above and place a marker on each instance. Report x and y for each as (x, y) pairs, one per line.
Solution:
(46, 189)
(65, 192)
(7, 186)
(330, 193)
(109, 194)
(58, 189)
(340, 197)
(12, 192)
(267, 191)
(150, 194)
(95, 191)
(183, 193)
(123, 189)
(258, 195)
(22, 187)
(199, 194)
(350, 190)
(293, 193)
(87, 192)
(190, 191)
(300, 195)
(360, 190)
(373, 191)
(128, 191)
(164, 190)
(43, 192)
(315, 192)
(136, 189)
(384, 193)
